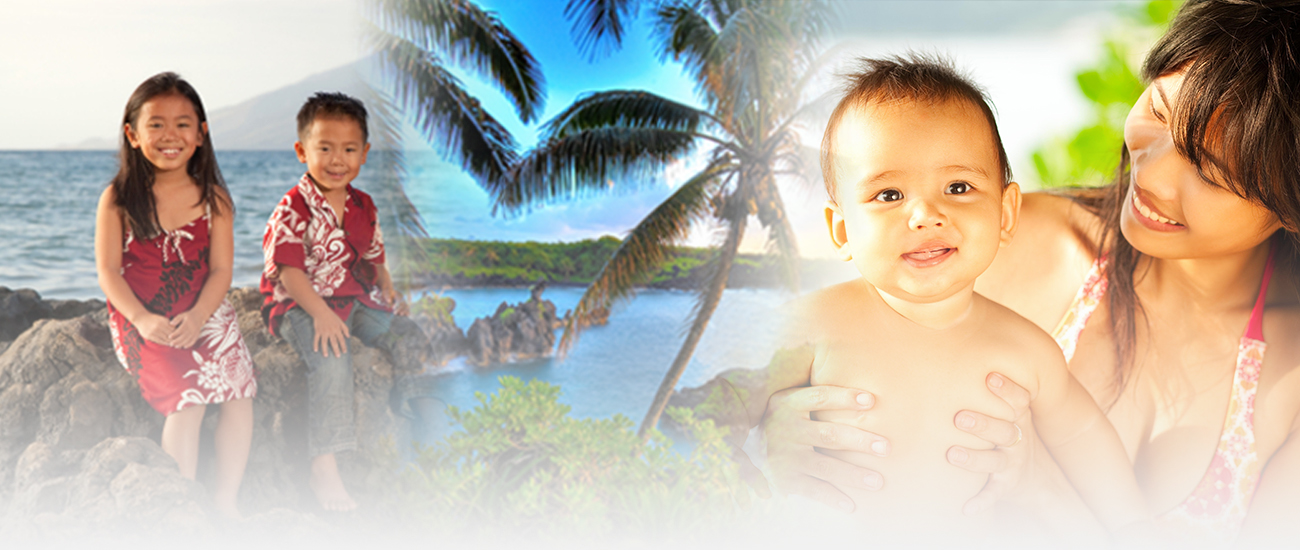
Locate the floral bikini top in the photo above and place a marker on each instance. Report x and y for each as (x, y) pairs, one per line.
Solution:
(1217, 506)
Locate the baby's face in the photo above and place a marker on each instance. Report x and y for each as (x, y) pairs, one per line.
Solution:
(921, 210)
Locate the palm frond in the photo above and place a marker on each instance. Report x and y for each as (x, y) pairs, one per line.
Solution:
(625, 108)
(589, 162)
(472, 38)
(710, 296)
(689, 37)
(443, 111)
(598, 26)
(645, 249)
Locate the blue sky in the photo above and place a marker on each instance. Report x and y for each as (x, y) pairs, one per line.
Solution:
(1024, 53)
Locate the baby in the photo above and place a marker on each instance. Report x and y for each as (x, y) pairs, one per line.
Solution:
(921, 201)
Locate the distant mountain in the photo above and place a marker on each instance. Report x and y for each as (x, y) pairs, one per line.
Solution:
(90, 144)
(265, 122)
(268, 121)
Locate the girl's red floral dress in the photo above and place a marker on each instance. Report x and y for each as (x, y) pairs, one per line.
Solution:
(167, 273)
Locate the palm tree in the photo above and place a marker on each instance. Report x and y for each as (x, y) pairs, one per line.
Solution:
(750, 60)
(415, 42)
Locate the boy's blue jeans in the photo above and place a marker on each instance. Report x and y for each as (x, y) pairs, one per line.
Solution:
(330, 424)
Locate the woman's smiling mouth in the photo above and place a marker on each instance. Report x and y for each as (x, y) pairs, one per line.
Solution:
(1150, 217)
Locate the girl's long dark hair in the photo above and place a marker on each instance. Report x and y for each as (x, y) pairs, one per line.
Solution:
(133, 184)
(1238, 115)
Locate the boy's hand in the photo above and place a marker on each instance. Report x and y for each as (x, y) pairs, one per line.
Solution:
(185, 329)
(393, 299)
(155, 328)
(331, 333)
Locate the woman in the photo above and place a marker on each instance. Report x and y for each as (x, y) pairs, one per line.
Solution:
(1156, 288)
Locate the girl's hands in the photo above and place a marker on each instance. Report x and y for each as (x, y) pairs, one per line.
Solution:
(793, 438)
(185, 329)
(331, 333)
(155, 328)
(1016, 441)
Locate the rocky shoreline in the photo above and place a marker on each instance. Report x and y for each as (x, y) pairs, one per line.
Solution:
(78, 445)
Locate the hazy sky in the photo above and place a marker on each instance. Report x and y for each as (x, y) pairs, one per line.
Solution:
(67, 67)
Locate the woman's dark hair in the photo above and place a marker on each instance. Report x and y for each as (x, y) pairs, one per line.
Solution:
(133, 184)
(1237, 119)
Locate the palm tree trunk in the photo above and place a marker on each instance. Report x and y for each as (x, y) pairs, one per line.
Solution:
(712, 294)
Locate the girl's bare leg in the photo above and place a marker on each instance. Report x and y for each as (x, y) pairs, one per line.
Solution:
(180, 438)
(233, 437)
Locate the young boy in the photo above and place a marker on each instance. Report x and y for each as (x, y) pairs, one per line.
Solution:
(325, 280)
(921, 201)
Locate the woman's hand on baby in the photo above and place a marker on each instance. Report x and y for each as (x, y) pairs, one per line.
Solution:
(155, 328)
(331, 334)
(793, 438)
(1015, 440)
(185, 329)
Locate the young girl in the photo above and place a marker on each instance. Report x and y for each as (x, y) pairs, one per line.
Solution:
(164, 247)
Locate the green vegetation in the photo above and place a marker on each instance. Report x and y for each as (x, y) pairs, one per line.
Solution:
(519, 464)
(483, 263)
(436, 307)
(1090, 155)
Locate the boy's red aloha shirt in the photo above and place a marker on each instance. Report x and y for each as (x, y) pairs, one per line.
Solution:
(338, 260)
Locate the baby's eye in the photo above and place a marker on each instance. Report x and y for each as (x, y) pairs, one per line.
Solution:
(958, 188)
(889, 195)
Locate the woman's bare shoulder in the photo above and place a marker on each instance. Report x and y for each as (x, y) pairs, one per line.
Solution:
(1039, 272)
(1059, 219)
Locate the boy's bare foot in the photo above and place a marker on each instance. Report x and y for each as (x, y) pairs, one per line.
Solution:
(328, 485)
(227, 509)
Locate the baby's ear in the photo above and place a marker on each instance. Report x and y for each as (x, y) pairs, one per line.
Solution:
(839, 234)
(1010, 213)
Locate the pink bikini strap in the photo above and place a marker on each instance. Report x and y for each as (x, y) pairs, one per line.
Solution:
(1255, 330)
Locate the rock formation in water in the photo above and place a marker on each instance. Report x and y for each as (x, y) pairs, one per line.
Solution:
(514, 333)
(722, 399)
(434, 315)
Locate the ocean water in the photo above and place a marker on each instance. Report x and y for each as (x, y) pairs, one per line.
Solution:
(47, 214)
(47, 224)
(616, 368)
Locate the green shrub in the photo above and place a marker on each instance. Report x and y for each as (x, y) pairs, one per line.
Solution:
(519, 464)
(434, 306)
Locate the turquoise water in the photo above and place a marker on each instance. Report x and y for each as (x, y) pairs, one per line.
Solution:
(47, 219)
(616, 368)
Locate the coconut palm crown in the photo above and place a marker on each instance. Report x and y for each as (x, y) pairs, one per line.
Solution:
(750, 60)
(415, 42)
